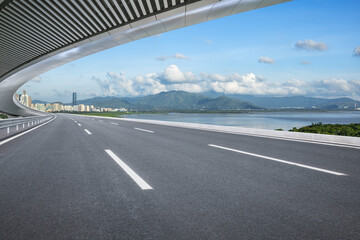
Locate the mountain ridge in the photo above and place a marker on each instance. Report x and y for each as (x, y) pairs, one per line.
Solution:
(181, 100)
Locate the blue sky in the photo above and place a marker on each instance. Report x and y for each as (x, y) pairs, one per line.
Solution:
(303, 47)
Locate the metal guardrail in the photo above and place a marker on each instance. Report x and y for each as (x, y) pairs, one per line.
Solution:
(11, 126)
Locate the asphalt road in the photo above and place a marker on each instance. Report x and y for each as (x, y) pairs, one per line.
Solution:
(88, 178)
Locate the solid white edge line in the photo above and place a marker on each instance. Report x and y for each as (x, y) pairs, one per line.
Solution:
(27, 131)
(279, 160)
(87, 131)
(114, 123)
(144, 130)
(139, 181)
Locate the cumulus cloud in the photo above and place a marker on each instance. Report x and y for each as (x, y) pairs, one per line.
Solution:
(175, 56)
(173, 74)
(180, 56)
(173, 78)
(266, 60)
(36, 79)
(311, 45)
(117, 84)
(357, 52)
(336, 87)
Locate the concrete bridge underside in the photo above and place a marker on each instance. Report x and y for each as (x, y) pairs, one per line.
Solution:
(39, 35)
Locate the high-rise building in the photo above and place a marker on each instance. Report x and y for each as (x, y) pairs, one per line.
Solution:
(81, 108)
(29, 101)
(25, 99)
(74, 99)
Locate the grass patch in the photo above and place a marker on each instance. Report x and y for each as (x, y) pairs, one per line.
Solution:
(3, 116)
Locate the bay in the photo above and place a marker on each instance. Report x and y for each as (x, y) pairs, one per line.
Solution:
(262, 120)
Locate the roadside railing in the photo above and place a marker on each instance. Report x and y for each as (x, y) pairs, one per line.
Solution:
(9, 127)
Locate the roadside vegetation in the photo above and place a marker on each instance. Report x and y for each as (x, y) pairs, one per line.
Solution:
(352, 130)
(3, 116)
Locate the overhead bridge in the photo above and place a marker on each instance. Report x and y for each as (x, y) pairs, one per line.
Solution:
(39, 35)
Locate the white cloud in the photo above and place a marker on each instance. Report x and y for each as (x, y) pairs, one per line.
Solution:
(175, 56)
(311, 45)
(336, 87)
(214, 77)
(266, 60)
(295, 83)
(172, 78)
(173, 74)
(357, 52)
(36, 79)
(180, 56)
(117, 84)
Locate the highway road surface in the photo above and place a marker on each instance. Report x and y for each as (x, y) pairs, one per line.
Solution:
(81, 177)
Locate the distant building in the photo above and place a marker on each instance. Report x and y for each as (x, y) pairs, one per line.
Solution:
(25, 99)
(68, 108)
(57, 107)
(74, 99)
(40, 107)
(48, 107)
(81, 108)
(121, 110)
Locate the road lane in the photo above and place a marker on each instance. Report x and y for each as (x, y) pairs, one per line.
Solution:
(62, 186)
(73, 186)
(322, 156)
(185, 159)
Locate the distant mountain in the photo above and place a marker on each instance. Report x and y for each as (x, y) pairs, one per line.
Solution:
(225, 103)
(180, 100)
(172, 99)
(169, 101)
(294, 102)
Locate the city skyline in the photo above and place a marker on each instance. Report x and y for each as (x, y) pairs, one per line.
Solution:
(57, 106)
